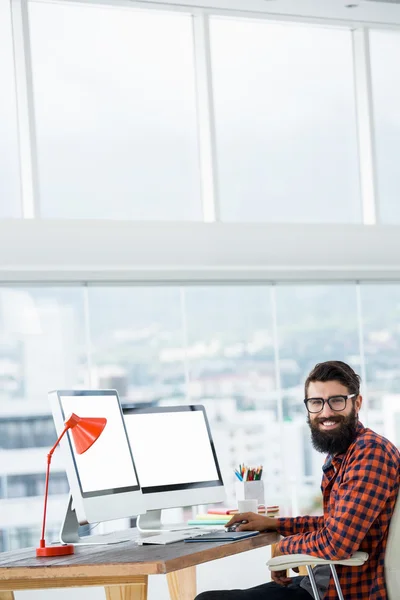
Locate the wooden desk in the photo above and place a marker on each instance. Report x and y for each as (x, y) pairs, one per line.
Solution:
(122, 569)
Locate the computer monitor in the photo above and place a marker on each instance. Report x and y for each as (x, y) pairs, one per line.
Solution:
(103, 481)
(175, 459)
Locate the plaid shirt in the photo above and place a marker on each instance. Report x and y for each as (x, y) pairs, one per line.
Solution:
(359, 491)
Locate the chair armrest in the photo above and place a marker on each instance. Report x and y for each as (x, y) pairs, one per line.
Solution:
(288, 561)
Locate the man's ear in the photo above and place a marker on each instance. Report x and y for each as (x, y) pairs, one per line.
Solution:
(358, 403)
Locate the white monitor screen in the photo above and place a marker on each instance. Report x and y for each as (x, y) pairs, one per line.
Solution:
(173, 448)
(107, 466)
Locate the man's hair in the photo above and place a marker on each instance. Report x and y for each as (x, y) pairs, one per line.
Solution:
(334, 370)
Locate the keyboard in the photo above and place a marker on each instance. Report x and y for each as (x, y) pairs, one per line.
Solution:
(197, 535)
(169, 537)
(222, 536)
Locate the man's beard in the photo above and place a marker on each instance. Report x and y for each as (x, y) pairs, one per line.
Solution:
(338, 440)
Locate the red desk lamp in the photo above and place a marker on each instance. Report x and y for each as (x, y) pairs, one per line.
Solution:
(85, 431)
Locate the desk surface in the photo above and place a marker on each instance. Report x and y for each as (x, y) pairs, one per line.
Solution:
(110, 564)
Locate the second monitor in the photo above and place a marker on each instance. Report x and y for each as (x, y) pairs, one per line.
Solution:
(175, 459)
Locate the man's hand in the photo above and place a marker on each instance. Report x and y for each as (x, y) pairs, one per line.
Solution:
(281, 577)
(254, 522)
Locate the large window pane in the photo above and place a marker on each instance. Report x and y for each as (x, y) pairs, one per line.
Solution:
(116, 114)
(42, 347)
(315, 323)
(137, 342)
(381, 331)
(285, 122)
(385, 51)
(42, 343)
(9, 167)
(230, 345)
(230, 354)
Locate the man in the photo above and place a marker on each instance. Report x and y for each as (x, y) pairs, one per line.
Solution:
(360, 483)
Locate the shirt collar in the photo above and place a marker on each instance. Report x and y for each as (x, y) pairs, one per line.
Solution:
(335, 459)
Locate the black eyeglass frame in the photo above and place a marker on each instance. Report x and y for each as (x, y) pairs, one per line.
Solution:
(343, 396)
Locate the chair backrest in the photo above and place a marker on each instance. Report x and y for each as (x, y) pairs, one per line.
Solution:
(392, 555)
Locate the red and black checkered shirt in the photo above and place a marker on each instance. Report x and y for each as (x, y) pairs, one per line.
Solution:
(359, 490)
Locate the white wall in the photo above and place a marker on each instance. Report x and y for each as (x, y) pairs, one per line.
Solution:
(110, 251)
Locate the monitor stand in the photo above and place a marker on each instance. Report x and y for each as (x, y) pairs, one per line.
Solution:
(69, 533)
(150, 522)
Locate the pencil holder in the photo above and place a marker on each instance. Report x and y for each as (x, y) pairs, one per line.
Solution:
(250, 490)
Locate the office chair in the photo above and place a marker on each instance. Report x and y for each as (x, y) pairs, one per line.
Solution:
(392, 562)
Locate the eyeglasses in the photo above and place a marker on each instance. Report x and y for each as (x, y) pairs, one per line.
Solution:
(336, 403)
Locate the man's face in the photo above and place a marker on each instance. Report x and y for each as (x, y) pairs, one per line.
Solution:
(332, 431)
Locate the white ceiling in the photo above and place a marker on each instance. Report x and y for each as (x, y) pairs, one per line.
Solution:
(376, 12)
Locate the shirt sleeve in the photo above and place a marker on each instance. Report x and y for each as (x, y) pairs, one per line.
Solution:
(366, 486)
(304, 524)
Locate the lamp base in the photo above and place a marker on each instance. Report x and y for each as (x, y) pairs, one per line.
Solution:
(60, 550)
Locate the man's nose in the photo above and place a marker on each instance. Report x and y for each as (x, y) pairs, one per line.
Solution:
(327, 411)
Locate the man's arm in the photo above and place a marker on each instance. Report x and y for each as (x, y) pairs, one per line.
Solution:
(256, 522)
(367, 484)
(291, 526)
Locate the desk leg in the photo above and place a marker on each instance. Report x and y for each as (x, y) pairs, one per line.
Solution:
(182, 584)
(6, 595)
(135, 591)
(275, 551)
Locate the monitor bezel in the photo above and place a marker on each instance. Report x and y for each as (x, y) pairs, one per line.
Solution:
(105, 492)
(132, 410)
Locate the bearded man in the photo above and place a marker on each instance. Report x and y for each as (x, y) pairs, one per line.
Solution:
(360, 482)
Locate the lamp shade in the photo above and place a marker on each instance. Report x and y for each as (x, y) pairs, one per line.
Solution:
(85, 431)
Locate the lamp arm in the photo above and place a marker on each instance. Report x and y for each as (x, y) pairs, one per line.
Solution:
(58, 441)
(50, 454)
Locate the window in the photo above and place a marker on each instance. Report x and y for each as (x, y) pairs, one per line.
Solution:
(32, 432)
(315, 323)
(285, 122)
(28, 537)
(213, 345)
(23, 537)
(137, 342)
(381, 335)
(42, 347)
(58, 484)
(19, 486)
(381, 316)
(230, 356)
(9, 165)
(229, 345)
(116, 113)
(385, 49)
(33, 484)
